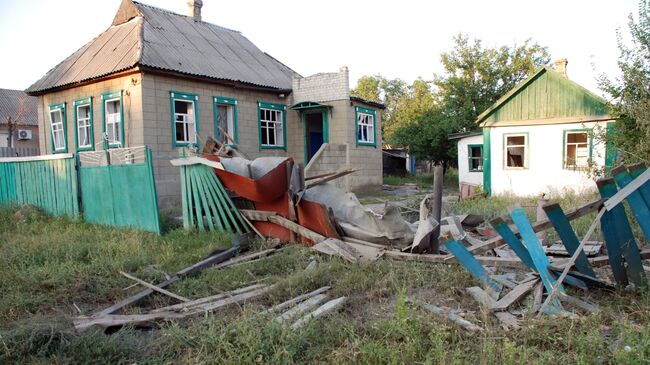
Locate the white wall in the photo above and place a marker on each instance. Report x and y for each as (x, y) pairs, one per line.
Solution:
(464, 175)
(544, 172)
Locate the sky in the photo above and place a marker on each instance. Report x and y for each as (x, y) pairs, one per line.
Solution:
(397, 39)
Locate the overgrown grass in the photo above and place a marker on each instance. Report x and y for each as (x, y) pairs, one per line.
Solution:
(424, 180)
(49, 264)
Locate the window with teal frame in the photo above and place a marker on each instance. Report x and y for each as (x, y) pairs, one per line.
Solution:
(185, 118)
(83, 120)
(365, 126)
(578, 146)
(113, 119)
(58, 128)
(272, 125)
(475, 157)
(225, 120)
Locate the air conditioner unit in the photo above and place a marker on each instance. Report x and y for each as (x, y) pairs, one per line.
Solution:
(24, 134)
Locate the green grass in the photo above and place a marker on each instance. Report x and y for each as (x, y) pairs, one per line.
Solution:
(51, 265)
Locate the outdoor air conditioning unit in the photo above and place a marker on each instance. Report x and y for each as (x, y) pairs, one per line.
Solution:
(24, 134)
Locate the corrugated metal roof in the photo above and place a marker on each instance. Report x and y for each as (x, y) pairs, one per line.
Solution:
(10, 106)
(164, 40)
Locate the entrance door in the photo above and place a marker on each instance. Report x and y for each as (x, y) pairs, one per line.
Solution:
(313, 133)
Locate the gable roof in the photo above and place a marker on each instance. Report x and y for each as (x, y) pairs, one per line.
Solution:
(10, 106)
(543, 96)
(149, 37)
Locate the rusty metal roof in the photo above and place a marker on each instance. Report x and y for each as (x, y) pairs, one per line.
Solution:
(143, 35)
(19, 106)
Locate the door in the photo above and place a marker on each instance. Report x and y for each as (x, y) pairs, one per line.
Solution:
(314, 133)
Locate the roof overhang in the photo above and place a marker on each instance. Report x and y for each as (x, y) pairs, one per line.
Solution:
(307, 105)
(461, 135)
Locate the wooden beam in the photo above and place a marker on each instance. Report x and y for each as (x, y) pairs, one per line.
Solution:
(514, 295)
(155, 288)
(297, 299)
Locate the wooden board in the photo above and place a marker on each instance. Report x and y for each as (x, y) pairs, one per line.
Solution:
(471, 264)
(635, 200)
(511, 239)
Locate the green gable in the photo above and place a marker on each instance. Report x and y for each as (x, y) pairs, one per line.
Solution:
(546, 95)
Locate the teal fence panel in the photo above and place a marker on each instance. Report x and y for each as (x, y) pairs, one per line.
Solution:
(48, 182)
(118, 188)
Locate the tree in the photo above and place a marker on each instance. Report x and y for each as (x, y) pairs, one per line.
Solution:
(382, 90)
(367, 88)
(18, 120)
(631, 91)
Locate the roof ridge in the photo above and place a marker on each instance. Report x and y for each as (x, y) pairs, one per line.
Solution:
(167, 11)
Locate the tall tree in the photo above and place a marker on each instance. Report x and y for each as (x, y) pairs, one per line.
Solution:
(380, 89)
(631, 91)
(367, 88)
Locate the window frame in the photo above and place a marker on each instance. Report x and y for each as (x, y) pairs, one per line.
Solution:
(367, 111)
(589, 143)
(64, 126)
(262, 105)
(108, 97)
(220, 101)
(187, 97)
(469, 157)
(526, 150)
(88, 101)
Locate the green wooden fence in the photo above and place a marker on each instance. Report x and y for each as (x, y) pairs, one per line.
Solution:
(48, 182)
(118, 188)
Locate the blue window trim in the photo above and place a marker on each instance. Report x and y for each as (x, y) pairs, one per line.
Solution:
(105, 97)
(469, 157)
(194, 98)
(373, 112)
(77, 103)
(273, 106)
(64, 117)
(222, 100)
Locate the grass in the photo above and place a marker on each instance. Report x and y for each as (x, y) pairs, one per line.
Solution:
(50, 265)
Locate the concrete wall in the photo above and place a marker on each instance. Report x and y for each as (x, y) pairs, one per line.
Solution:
(21, 143)
(158, 133)
(322, 86)
(464, 175)
(545, 172)
(132, 106)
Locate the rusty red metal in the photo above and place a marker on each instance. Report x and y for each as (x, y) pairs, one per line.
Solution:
(314, 216)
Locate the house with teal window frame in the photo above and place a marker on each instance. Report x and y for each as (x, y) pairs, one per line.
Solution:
(170, 81)
(545, 136)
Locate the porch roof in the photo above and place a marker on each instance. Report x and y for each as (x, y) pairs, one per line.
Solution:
(309, 105)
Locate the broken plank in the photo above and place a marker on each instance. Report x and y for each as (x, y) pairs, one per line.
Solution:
(471, 264)
(334, 176)
(513, 241)
(482, 297)
(508, 320)
(637, 203)
(301, 308)
(515, 295)
(208, 299)
(257, 215)
(604, 260)
(328, 307)
(589, 307)
(295, 227)
(450, 259)
(154, 288)
(297, 299)
(448, 314)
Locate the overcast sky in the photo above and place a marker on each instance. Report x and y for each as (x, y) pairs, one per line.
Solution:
(398, 39)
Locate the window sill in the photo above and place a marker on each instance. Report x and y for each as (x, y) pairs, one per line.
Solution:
(475, 170)
(515, 168)
(273, 147)
(82, 149)
(367, 144)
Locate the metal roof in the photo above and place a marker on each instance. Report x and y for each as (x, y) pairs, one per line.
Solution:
(143, 35)
(10, 106)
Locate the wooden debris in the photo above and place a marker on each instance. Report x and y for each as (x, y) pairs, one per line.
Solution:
(154, 288)
(333, 246)
(257, 215)
(592, 248)
(246, 258)
(448, 314)
(481, 296)
(449, 259)
(297, 299)
(514, 295)
(538, 296)
(331, 177)
(589, 307)
(301, 308)
(326, 308)
(508, 321)
(212, 298)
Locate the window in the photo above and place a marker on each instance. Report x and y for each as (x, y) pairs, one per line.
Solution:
(365, 126)
(57, 123)
(272, 124)
(516, 151)
(225, 120)
(4, 139)
(475, 157)
(113, 123)
(84, 120)
(576, 150)
(184, 119)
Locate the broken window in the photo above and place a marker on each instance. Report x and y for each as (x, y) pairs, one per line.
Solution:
(83, 126)
(113, 121)
(365, 126)
(184, 122)
(516, 150)
(271, 127)
(576, 150)
(225, 120)
(57, 125)
(475, 157)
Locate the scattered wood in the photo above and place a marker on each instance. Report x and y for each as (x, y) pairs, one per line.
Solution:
(257, 215)
(333, 246)
(604, 260)
(365, 243)
(592, 248)
(212, 298)
(514, 295)
(297, 299)
(295, 227)
(246, 258)
(589, 307)
(334, 176)
(449, 259)
(508, 320)
(481, 296)
(324, 309)
(538, 296)
(154, 288)
(301, 308)
(448, 314)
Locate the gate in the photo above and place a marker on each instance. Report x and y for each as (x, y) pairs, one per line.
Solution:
(118, 189)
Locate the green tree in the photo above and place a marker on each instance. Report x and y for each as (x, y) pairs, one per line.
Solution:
(367, 88)
(382, 90)
(631, 91)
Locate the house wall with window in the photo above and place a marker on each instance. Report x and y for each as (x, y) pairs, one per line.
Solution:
(125, 90)
(554, 158)
(468, 173)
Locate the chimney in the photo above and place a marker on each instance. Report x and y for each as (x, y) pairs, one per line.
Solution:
(560, 66)
(194, 9)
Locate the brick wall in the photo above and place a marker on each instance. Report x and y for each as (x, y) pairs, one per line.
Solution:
(322, 86)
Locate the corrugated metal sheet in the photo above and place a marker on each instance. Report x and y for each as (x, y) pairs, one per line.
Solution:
(10, 105)
(164, 40)
(545, 95)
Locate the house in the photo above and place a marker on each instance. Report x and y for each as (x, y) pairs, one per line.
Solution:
(169, 81)
(540, 137)
(18, 123)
